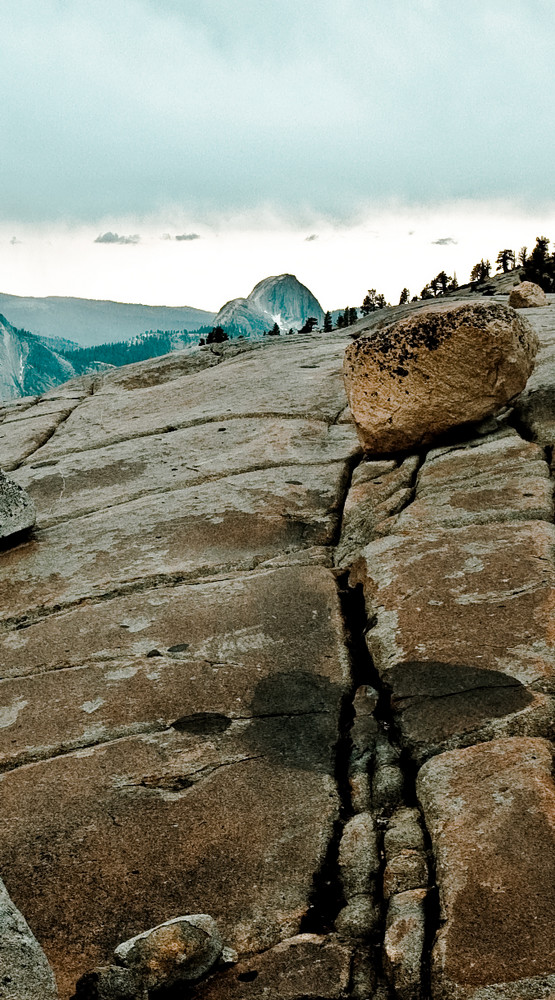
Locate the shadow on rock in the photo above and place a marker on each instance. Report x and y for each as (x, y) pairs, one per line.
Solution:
(296, 721)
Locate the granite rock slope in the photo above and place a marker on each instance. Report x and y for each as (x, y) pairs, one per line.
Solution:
(176, 612)
(248, 673)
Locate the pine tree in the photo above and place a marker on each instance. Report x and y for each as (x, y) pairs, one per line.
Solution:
(328, 325)
(217, 335)
(353, 315)
(404, 297)
(504, 259)
(275, 331)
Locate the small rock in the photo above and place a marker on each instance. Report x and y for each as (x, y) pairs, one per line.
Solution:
(386, 752)
(363, 976)
(360, 785)
(435, 370)
(359, 919)
(365, 701)
(404, 943)
(177, 951)
(387, 787)
(406, 870)
(110, 983)
(24, 971)
(527, 295)
(17, 510)
(359, 859)
(403, 833)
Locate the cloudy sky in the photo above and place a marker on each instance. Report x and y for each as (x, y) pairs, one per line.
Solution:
(177, 151)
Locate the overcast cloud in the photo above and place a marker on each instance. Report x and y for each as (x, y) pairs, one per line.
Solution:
(313, 109)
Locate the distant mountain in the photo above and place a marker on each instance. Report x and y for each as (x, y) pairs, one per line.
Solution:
(90, 321)
(27, 366)
(280, 299)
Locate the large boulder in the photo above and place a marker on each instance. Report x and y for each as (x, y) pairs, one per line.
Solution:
(434, 370)
(527, 295)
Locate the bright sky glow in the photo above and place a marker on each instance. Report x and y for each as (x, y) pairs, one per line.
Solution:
(335, 139)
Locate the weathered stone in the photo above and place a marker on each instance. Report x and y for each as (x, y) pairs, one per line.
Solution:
(404, 943)
(110, 983)
(301, 967)
(406, 870)
(360, 785)
(177, 951)
(233, 522)
(294, 380)
(80, 483)
(435, 370)
(371, 503)
(359, 858)
(115, 836)
(527, 295)
(359, 919)
(363, 973)
(463, 635)
(404, 832)
(490, 811)
(21, 437)
(479, 460)
(484, 500)
(387, 787)
(24, 970)
(17, 510)
(263, 644)
(535, 407)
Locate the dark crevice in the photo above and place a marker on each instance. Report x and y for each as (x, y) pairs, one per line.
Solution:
(327, 899)
(364, 672)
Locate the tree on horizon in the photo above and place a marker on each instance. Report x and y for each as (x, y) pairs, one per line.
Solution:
(404, 297)
(328, 324)
(504, 259)
(480, 272)
(540, 266)
(217, 335)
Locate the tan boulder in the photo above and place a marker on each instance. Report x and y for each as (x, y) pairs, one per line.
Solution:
(435, 370)
(527, 295)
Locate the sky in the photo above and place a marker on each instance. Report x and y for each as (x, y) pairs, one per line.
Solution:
(176, 152)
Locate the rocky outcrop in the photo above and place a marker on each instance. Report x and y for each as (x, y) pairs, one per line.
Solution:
(17, 510)
(27, 365)
(281, 299)
(527, 295)
(434, 371)
(490, 811)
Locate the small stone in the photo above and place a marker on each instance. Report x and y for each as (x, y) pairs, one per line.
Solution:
(17, 510)
(406, 870)
(359, 919)
(436, 369)
(527, 295)
(177, 951)
(404, 943)
(359, 859)
(110, 983)
(387, 787)
(403, 833)
(24, 970)
(386, 752)
(365, 701)
(363, 975)
(360, 785)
